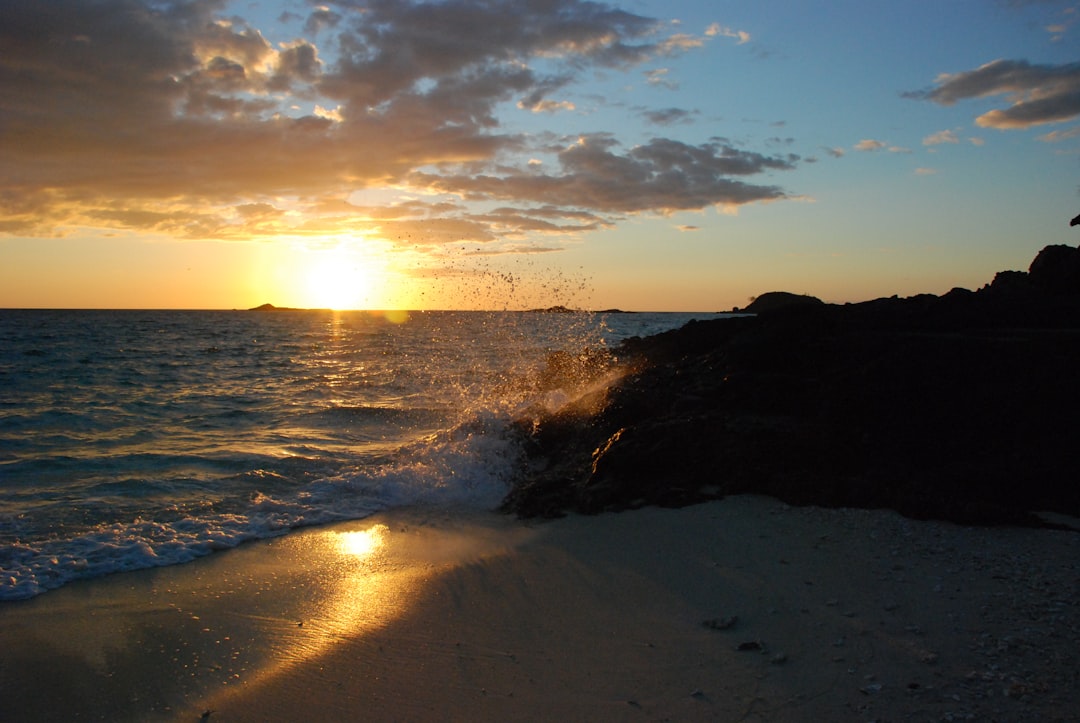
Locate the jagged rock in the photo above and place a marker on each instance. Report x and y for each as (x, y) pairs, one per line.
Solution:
(1010, 282)
(1057, 270)
(961, 407)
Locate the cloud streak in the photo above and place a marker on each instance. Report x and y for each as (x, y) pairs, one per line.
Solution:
(1037, 94)
(173, 118)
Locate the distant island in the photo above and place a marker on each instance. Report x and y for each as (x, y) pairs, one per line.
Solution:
(560, 309)
(271, 307)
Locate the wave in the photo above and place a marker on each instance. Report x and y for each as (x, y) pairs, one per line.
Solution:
(469, 465)
(175, 451)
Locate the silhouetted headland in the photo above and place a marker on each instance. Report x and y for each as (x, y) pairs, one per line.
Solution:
(962, 407)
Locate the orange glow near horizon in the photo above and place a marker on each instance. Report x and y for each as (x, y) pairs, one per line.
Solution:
(344, 275)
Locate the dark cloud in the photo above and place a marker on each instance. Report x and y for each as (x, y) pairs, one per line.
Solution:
(321, 19)
(1037, 94)
(173, 117)
(668, 116)
(663, 176)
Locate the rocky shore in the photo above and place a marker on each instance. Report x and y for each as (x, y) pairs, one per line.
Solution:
(960, 407)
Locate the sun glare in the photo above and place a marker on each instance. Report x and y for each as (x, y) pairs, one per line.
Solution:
(338, 279)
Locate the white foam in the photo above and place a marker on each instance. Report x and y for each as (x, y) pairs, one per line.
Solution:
(468, 465)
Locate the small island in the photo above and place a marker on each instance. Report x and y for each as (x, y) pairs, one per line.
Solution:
(271, 307)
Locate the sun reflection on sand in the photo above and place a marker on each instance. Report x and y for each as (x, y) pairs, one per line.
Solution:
(249, 619)
(359, 585)
(362, 543)
(334, 585)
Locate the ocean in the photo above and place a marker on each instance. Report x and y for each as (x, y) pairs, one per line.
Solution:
(133, 439)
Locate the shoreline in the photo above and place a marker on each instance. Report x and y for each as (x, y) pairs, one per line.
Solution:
(426, 614)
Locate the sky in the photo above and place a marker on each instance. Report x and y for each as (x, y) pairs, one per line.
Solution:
(398, 154)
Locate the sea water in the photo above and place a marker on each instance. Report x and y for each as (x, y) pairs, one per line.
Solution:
(131, 439)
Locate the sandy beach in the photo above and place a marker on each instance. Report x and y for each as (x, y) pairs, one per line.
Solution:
(741, 609)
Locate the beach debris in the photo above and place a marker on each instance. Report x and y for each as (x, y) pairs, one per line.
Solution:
(725, 623)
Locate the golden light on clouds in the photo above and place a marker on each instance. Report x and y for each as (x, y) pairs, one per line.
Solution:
(153, 152)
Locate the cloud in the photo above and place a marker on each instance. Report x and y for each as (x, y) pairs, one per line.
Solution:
(1037, 94)
(661, 176)
(1068, 18)
(834, 152)
(179, 119)
(333, 114)
(1057, 136)
(659, 77)
(925, 171)
(667, 116)
(716, 29)
(935, 139)
(869, 144)
(680, 42)
(547, 106)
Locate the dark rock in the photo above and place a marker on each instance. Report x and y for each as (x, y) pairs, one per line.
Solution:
(1010, 282)
(961, 407)
(775, 300)
(1057, 270)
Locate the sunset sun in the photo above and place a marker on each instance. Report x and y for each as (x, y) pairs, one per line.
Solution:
(337, 279)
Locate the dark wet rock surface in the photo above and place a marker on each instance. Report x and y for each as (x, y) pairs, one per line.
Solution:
(962, 407)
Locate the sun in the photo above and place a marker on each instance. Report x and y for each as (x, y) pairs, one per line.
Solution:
(337, 279)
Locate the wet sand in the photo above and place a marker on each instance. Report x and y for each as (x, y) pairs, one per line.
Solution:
(742, 609)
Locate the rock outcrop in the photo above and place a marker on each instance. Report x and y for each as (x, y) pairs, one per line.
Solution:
(962, 407)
